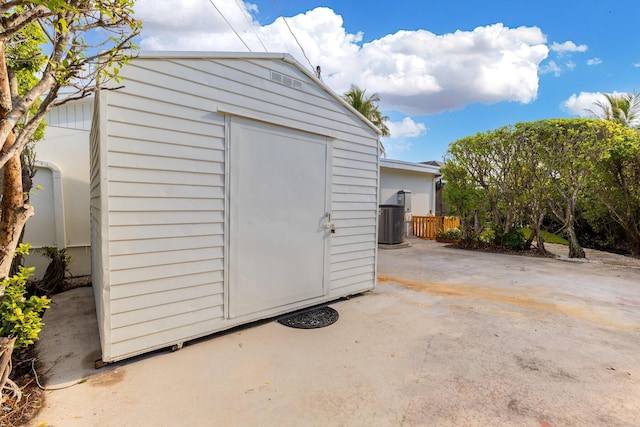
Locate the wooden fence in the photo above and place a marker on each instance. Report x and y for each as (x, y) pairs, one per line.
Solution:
(426, 227)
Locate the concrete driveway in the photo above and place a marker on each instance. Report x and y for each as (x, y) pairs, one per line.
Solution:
(448, 338)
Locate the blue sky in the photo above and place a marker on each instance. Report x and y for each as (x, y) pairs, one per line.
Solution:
(444, 70)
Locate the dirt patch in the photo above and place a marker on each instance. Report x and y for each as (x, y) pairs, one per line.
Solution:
(14, 413)
(108, 378)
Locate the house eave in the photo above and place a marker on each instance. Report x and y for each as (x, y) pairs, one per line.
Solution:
(409, 166)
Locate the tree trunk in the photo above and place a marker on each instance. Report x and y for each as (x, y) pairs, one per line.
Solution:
(6, 349)
(14, 212)
(538, 232)
(575, 250)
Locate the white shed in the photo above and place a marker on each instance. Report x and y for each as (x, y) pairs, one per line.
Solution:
(225, 188)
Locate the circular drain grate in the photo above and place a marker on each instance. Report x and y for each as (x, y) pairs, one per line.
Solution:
(311, 319)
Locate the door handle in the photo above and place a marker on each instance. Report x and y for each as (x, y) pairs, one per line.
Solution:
(327, 224)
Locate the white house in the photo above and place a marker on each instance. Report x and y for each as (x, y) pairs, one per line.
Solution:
(62, 201)
(419, 178)
(225, 188)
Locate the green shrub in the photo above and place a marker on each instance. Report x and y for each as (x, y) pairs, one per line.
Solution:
(452, 233)
(487, 236)
(20, 317)
(513, 240)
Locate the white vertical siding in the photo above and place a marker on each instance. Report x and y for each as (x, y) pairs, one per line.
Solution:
(72, 115)
(164, 177)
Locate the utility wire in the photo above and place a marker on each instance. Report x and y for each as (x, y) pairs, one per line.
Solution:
(251, 25)
(229, 24)
(294, 36)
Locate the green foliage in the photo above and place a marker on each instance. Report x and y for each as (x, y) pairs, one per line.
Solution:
(622, 108)
(26, 61)
(368, 107)
(55, 253)
(47, 49)
(613, 193)
(20, 316)
(513, 239)
(464, 198)
(523, 174)
(487, 236)
(451, 233)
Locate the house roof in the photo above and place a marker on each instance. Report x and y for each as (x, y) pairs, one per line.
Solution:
(434, 163)
(410, 166)
(259, 55)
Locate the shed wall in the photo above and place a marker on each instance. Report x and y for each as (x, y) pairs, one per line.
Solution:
(161, 182)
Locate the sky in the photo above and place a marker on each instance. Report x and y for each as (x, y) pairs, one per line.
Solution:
(443, 70)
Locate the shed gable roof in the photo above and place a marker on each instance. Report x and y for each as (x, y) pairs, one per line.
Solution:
(285, 57)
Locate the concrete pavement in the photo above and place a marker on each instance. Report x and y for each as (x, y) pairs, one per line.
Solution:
(449, 337)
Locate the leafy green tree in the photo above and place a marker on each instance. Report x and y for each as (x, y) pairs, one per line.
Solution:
(465, 199)
(368, 107)
(619, 108)
(569, 150)
(83, 44)
(533, 184)
(525, 172)
(614, 190)
(496, 165)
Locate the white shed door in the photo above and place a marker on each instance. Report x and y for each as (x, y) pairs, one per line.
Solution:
(278, 198)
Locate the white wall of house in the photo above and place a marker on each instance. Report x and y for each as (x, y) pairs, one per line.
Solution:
(62, 201)
(398, 175)
(176, 241)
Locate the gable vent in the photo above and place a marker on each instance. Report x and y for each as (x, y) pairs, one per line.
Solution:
(287, 81)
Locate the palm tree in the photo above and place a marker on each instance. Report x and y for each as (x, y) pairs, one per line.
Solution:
(620, 108)
(368, 107)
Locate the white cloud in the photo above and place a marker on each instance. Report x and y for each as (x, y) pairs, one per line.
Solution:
(393, 148)
(161, 19)
(568, 46)
(581, 104)
(403, 134)
(570, 65)
(407, 128)
(636, 64)
(594, 61)
(578, 105)
(551, 67)
(415, 72)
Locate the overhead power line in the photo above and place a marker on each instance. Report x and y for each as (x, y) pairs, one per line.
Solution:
(230, 26)
(294, 36)
(251, 25)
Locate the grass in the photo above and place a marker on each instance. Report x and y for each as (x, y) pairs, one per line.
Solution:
(548, 237)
